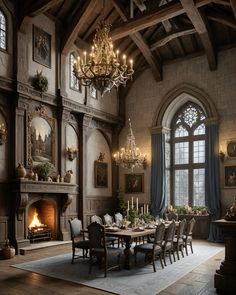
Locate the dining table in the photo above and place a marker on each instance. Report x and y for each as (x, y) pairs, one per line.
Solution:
(129, 235)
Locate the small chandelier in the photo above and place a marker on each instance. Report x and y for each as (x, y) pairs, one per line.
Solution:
(130, 156)
(102, 68)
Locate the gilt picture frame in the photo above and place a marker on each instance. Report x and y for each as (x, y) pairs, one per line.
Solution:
(134, 183)
(231, 148)
(230, 176)
(101, 174)
(40, 137)
(41, 47)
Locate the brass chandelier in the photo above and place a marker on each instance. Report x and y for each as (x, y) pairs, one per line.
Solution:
(102, 68)
(130, 156)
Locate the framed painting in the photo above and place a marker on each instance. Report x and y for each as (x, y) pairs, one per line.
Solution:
(101, 174)
(230, 176)
(41, 47)
(41, 138)
(134, 183)
(231, 148)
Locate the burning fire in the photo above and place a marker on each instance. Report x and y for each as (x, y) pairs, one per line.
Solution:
(35, 222)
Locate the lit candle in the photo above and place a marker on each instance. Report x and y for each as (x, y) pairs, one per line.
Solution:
(85, 53)
(131, 64)
(132, 203)
(128, 205)
(137, 204)
(142, 210)
(171, 208)
(147, 208)
(117, 55)
(124, 58)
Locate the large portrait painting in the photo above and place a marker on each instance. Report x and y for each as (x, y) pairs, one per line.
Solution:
(41, 47)
(101, 174)
(230, 176)
(134, 183)
(40, 138)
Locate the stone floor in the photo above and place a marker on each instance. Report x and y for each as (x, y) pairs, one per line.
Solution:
(14, 281)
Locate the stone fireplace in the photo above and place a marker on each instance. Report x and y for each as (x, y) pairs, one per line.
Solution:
(48, 203)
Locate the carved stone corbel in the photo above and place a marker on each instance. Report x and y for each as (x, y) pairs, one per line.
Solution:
(23, 199)
(66, 201)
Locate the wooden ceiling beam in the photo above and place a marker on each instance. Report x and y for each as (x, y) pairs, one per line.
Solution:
(27, 9)
(148, 19)
(78, 21)
(233, 5)
(175, 33)
(222, 18)
(202, 30)
(142, 45)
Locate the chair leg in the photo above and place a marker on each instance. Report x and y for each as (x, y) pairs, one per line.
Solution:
(170, 256)
(153, 263)
(181, 249)
(73, 256)
(135, 257)
(161, 260)
(186, 249)
(105, 266)
(177, 251)
(164, 257)
(90, 263)
(191, 246)
(173, 252)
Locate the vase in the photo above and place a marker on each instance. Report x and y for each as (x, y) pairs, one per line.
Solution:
(8, 251)
(20, 171)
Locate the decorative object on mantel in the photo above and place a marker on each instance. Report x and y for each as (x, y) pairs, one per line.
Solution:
(44, 170)
(101, 157)
(40, 82)
(68, 176)
(130, 157)
(30, 174)
(231, 213)
(72, 152)
(8, 251)
(20, 171)
(221, 156)
(3, 134)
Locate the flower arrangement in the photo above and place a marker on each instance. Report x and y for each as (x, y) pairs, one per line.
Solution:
(40, 82)
(44, 170)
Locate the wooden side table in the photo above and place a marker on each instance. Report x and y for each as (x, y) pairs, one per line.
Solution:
(225, 276)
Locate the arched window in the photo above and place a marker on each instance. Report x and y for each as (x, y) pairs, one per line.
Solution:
(73, 81)
(3, 44)
(187, 164)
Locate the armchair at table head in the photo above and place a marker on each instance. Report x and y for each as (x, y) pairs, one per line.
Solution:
(100, 249)
(77, 243)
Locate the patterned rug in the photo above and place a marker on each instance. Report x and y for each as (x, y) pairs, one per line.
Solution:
(138, 280)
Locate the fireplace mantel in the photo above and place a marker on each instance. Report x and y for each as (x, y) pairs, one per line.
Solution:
(23, 187)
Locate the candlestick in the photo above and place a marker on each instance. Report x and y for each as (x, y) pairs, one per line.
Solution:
(128, 205)
(132, 203)
(142, 210)
(147, 208)
(137, 204)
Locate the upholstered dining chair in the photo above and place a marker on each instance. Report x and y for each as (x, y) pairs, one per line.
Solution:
(152, 250)
(178, 242)
(188, 237)
(118, 218)
(77, 243)
(100, 249)
(109, 240)
(167, 246)
(108, 219)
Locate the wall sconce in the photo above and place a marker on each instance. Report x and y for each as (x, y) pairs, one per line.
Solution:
(221, 155)
(3, 134)
(145, 162)
(72, 152)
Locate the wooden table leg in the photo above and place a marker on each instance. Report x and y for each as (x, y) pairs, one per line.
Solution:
(127, 252)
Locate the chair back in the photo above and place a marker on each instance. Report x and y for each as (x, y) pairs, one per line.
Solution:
(170, 232)
(159, 235)
(118, 218)
(181, 228)
(75, 227)
(96, 235)
(172, 216)
(108, 220)
(190, 226)
(97, 219)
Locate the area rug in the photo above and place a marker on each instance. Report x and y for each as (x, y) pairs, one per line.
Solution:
(139, 279)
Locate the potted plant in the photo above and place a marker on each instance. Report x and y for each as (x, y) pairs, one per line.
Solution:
(40, 82)
(44, 170)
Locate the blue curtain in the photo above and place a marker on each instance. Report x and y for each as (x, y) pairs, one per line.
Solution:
(158, 175)
(212, 181)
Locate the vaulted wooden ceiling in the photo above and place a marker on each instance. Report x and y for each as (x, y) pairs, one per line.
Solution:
(151, 32)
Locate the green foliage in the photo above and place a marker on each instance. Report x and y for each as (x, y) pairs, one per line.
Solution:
(40, 82)
(44, 170)
(122, 206)
(132, 215)
(147, 217)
